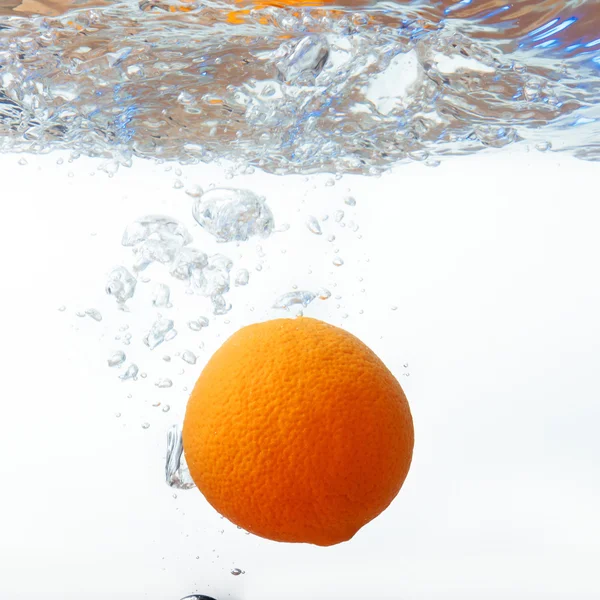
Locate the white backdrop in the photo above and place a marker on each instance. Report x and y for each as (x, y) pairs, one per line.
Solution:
(492, 263)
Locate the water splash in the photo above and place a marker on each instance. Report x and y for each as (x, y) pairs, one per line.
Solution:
(350, 87)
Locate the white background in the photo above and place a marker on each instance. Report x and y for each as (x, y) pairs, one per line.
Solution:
(492, 262)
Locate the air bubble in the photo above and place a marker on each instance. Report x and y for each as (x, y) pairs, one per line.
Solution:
(313, 225)
(130, 373)
(94, 314)
(116, 359)
(290, 299)
(242, 277)
(189, 357)
(163, 383)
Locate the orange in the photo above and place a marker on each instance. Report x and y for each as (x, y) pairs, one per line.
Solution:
(297, 432)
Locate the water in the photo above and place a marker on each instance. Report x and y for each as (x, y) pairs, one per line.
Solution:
(339, 88)
(143, 147)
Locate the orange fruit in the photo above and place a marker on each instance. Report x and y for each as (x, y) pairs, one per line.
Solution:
(297, 432)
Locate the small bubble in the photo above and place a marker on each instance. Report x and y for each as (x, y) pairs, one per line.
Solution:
(71, 174)
(130, 373)
(62, 308)
(117, 359)
(163, 383)
(143, 375)
(22, 162)
(543, 146)
(189, 357)
(145, 425)
(393, 307)
(331, 238)
(405, 365)
(293, 298)
(313, 225)
(194, 191)
(338, 215)
(161, 331)
(178, 172)
(177, 184)
(242, 277)
(166, 408)
(350, 201)
(60, 161)
(118, 415)
(94, 314)
(161, 295)
(330, 182)
(337, 261)
(237, 572)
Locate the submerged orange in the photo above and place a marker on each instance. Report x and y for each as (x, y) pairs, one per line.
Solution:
(297, 432)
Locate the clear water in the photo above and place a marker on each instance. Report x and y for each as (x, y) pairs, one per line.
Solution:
(338, 88)
(146, 219)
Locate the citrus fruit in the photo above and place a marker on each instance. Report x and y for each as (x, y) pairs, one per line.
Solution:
(297, 432)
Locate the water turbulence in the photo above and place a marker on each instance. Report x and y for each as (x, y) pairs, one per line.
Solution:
(292, 86)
